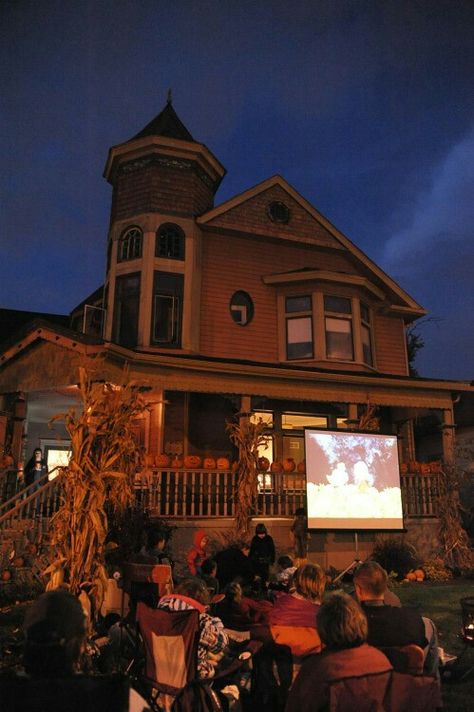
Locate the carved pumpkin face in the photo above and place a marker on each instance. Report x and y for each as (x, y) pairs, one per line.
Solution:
(177, 462)
(162, 460)
(263, 464)
(276, 467)
(209, 463)
(289, 464)
(192, 461)
(223, 463)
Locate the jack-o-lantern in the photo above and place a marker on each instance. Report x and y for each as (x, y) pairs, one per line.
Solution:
(223, 463)
(162, 460)
(301, 466)
(289, 464)
(192, 462)
(209, 463)
(263, 464)
(276, 466)
(177, 462)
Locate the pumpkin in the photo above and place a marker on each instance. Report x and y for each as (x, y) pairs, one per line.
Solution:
(425, 468)
(209, 463)
(18, 562)
(192, 462)
(435, 467)
(289, 464)
(162, 460)
(276, 466)
(223, 463)
(301, 466)
(419, 574)
(263, 464)
(6, 575)
(149, 460)
(177, 462)
(411, 576)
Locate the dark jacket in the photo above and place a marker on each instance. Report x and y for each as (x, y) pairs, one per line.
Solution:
(262, 550)
(232, 564)
(392, 626)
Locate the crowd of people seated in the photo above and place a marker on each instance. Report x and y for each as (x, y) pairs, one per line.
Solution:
(308, 639)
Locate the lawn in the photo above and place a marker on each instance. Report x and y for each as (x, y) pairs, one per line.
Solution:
(440, 602)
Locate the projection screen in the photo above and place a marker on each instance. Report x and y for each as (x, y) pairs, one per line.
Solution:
(352, 480)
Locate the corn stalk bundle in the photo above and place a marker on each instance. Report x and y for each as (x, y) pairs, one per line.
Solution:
(247, 436)
(97, 481)
(456, 551)
(368, 420)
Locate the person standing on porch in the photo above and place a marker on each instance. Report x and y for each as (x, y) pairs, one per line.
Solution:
(300, 536)
(35, 468)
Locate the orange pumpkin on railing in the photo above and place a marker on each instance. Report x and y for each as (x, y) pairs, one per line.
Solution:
(263, 464)
(301, 467)
(289, 464)
(435, 467)
(223, 463)
(276, 466)
(177, 462)
(209, 463)
(162, 460)
(425, 468)
(149, 460)
(192, 462)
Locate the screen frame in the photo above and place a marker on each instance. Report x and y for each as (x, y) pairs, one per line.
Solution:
(354, 525)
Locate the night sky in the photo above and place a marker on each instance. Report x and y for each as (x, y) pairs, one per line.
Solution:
(366, 108)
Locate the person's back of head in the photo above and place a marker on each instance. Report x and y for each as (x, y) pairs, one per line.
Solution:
(341, 623)
(154, 538)
(370, 580)
(209, 567)
(310, 581)
(55, 630)
(194, 587)
(284, 562)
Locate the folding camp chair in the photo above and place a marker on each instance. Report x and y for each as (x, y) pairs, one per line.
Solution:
(406, 658)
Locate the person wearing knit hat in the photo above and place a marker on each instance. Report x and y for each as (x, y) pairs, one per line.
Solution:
(262, 552)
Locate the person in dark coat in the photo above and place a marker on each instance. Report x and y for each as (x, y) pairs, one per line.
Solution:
(233, 564)
(262, 552)
(35, 468)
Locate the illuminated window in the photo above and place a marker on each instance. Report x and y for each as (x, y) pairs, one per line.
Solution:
(130, 245)
(338, 327)
(170, 241)
(264, 416)
(291, 421)
(299, 327)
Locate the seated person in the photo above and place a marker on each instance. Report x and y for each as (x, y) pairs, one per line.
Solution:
(208, 575)
(213, 641)
(55, 633)
(293, 616)
(231, 611)
(233, 563)
(153, 552)
(285, 573)
(343, 630)
(391, 626)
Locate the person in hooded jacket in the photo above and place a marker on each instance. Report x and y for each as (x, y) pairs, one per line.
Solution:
(262, 552)
(197, 552)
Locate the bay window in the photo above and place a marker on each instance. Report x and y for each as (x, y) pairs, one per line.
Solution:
(299, 327)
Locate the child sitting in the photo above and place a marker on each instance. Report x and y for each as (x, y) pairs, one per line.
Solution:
(285, 574)
(208, 575)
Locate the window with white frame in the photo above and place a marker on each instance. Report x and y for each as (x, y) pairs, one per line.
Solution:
(366, 334)
(170, 242)
(299, 327)
(338, 328)
(130, 245)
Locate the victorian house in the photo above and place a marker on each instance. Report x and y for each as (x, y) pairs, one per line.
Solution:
(257, 305)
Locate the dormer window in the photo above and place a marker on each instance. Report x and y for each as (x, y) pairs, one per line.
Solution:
(130, 245)
(170, 240)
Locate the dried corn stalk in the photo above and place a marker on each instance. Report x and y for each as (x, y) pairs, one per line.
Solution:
(247, 436)
(97, 481)
(456, 551)
(368, 421)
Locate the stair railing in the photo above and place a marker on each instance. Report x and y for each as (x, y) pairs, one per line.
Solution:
(37, 501)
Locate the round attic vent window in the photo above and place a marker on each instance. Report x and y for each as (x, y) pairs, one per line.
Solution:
(241, 308)
(278, 212)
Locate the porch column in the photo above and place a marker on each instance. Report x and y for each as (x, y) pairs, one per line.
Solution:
(18, 423)
(448, 435)
(156, 423)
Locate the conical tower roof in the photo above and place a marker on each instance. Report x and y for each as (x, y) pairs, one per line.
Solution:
(168, 124)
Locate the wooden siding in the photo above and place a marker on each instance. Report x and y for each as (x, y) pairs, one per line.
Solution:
(233, 263)
(251, 216)
(390, 348)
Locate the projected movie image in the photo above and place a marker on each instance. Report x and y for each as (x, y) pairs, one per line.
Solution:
(352, 480)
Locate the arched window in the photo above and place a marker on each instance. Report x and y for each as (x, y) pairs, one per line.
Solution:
(130, 245)
(170, 242)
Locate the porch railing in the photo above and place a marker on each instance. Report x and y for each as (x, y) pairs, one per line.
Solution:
(179, 494)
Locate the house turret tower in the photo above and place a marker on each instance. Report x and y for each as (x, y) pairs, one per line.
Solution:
(162, 180)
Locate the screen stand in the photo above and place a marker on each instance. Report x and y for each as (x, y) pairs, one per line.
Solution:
(354, 563)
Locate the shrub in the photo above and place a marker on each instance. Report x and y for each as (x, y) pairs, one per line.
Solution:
(396, 556)
(435, 570)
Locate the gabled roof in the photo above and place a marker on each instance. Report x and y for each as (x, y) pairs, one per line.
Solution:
(12, 320)
(221, 217)
(167, 123)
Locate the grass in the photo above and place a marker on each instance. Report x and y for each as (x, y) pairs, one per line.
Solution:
(440, 602)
